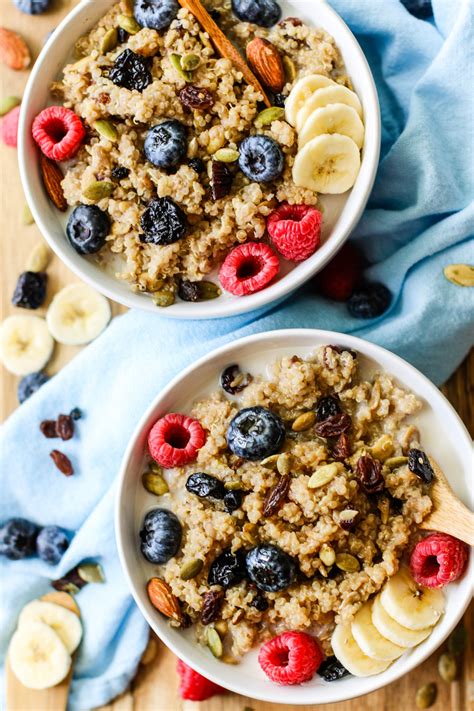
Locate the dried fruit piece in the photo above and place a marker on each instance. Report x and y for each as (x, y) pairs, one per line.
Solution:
(162, 598)
(233, 381)
(196, 97)
(13, 50)
(221, 182)
(62, 462)
(52, 178)
(419, 464)
(342, 448)
(211, 606)
(265, 60)
(460, 274)
(48, 428)
(65, 427)
(276, 496)
(327, 407)
(198, 291)
(369, 473)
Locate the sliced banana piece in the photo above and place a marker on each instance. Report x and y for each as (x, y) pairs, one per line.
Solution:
(65, 623)
(327, 164)
(25, 344)
(302, 91)
(333, 118)
(351, 656)
(411, 605)
(369, 638)
(77, 315)
(390, 629)
(37, 656)
(327, 95)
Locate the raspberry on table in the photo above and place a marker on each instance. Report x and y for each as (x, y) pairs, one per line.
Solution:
(9, 127)
(295, 230)
(195, 687)
(59, 132)
(438, 560)
(175, 439)
(338, 279)
(248, 268)
(290, 658)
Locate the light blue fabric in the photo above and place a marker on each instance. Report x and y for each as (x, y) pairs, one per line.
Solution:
(420, 218)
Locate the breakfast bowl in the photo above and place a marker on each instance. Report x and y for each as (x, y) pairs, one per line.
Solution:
(275, 370)
(129, 268)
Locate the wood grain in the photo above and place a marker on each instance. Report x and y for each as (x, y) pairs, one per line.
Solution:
(155, 686)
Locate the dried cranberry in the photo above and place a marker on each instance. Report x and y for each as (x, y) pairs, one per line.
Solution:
(333, 426)
(62, 462)
(419, 464)
(369, 473)
(211, 606)
(221, 183)
(196, 97)
(276, 496)
(48, 429)
(233, 380)
(327, 407)
(65, 427)
(342, 448)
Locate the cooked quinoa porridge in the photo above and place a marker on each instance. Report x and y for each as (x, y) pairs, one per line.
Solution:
(286, 501)
(172, 159)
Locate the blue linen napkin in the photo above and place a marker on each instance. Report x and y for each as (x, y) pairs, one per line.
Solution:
(419, 219)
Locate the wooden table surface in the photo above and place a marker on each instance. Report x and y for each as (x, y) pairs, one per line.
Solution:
(155, 687)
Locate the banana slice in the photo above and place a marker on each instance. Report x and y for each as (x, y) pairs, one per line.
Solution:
(351, 656)
(327, 164)
(334, 118)
(65, 623)
(302, 91)
(390, 629)
(37, 656)
(411, 605)
(77, 315)
(369, 638)
(25, 344)
(327, 95)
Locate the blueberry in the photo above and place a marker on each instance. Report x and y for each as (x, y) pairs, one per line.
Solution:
(30, 290)
(261, 159)
(255, 433)
(261, 12)
(327, 407)
(160, 535)
(279, 100)
(75, 413)
(163, 222)
(120, 173)
(419, 464)
(270, 568)
(51, 544)
(197, 164)
(233, 500)
(30, 384)
(18, 538)
(166, 144)
(204, 485)
(422, 9)
(87, 228)
(369, 301)
(131, 71)
(228, 569)
(32, 7)
(157, 14)
(332, 669)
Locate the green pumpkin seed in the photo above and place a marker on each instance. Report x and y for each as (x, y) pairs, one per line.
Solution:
(106, 129)
(226, 155)
(448, 667)
(426, 695)
(208, 290)
(91, 573)
(8, 103)
(214, 642)
(324, 475)
(457, 640)
(191, 569)
(26, 216)
(163, 298)
(395, 462)
(129, 24)
(347, 562)
(233, 485)
(154, 483)
(190, 62)
(98, 190)
(460, 274)
(270, 462)
(327, 555)
(267, 116)
(304, 422)
(289, 67)
(284, 464)
(109, 41)
(39, 258)
(175, 60)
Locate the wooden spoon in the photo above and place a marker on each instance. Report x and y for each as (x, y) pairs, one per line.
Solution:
(448, 515)
(223, 45)
(19, 698)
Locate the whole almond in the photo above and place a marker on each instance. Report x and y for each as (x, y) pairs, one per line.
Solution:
(163, 599)
(52, 178)
(266, 62)
(13, 50)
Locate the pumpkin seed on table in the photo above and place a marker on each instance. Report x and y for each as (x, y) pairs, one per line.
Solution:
(8, 103)
(226, 155)
(448, 667)
(39, 258)
(175, 60)
(154, 483)
(98, 190)
(91, 573)
(129, 24)
(304, 422)
(109, 41)
(347, 562)
(426, 696)
(190, 62)
(106, 129)
(26, 216)
(267, 116)
(460, 274)
(190, 569)
(214, 642)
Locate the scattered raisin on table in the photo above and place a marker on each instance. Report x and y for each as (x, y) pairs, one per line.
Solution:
(65, 427)
(62, 462)
(369, 473)
(48, 429)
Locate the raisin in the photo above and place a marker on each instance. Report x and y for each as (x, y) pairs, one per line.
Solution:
(48, 428)
(342, 448)
(233, 500)
(120, 173)
(276, 496)
(419, 464)
(260, 602)
(197, 164)
(327, 407)
(62, 462)
(211, 606)
(221, 183)
(196, 97)
(332, 669)
(71, 582)
(233, 380)
(369, 473)
(333, 426)
(228, 569)
(65, 427)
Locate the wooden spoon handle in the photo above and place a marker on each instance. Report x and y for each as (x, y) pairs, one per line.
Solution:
(223, 45)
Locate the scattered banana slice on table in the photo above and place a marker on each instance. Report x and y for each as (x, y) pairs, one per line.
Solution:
(77, 315)
(65, 623)
(25, 344)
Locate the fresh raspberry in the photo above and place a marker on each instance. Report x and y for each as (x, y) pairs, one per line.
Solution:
(438, 560)
(193, 686)
(295, 230)
(248, 268)
(290, 658)
(175, 440)
(9, 127)
(59, 132)
(338, 279)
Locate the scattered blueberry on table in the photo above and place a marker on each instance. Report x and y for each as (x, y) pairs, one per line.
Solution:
(30, 384)
(32, 7)
(369, 301)
(51, 544)
(18, 538)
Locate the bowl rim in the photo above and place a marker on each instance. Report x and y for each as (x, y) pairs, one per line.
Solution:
(285, 336)
(120, 292)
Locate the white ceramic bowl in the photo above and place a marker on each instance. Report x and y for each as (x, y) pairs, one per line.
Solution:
(443, 435)
(341, 212)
